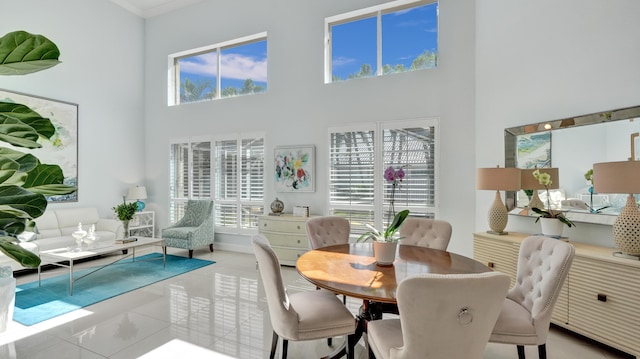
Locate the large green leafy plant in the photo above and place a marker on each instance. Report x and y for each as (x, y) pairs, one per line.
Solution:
(24, 180)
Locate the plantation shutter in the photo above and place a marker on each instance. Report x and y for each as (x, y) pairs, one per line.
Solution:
(252, 169)
(226, 185)
(357, 160)
(352, 178)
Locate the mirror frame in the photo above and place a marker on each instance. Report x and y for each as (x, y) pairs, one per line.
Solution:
(511, 134)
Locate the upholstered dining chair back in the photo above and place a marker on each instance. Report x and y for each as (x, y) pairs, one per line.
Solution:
(327, 230)
(426, 232)
(441, 317)
(543, 266)
(305, 315)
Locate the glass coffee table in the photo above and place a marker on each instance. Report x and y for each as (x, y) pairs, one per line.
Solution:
(70, 254)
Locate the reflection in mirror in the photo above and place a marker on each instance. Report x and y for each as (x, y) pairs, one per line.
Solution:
(573, 145)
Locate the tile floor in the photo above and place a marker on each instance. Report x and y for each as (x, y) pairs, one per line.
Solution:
(215, 312)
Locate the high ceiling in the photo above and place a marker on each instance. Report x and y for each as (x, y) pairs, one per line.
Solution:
(150, 8)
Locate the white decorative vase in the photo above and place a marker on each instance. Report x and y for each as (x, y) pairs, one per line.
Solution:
(384, 252)
(551, 227)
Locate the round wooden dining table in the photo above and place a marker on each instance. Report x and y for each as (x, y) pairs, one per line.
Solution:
(351, 270)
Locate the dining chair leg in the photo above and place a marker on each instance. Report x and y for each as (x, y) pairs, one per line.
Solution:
(520, 352)
(285, 346)
(542, 351)
(329, 341)
(351, 345)
(371, 355)
(211, 247)
(274, 345)
(190, 253)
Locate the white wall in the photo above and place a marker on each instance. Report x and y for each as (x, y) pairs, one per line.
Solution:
(542, 60)
(101, 49)
(299, 108)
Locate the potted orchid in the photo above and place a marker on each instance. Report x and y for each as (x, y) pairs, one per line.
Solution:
(549, 218)
(386, 241)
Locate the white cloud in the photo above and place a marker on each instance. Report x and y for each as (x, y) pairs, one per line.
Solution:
(234, 66)
(242, 67)
(341, 61)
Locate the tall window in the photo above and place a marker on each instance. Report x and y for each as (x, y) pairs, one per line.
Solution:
(398, 36)
(233, 68)
(357, 160)
(239, 182)
(236, 174)
(190, 174)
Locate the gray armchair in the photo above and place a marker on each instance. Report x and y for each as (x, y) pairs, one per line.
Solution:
(194, 230)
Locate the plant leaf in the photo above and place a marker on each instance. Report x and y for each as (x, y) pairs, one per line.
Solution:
(18, 198)
(24, 53)
(26, 258)
(53, 189)
(17, 133)
(27, 116)
(44, 174)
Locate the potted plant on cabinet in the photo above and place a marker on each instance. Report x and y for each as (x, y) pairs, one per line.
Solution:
(551, 221)
(24, 180)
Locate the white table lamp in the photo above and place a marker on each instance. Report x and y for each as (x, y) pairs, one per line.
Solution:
(138, 193)
(498, 179)
(622, 177)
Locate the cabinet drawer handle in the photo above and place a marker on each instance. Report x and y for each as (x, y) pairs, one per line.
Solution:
(602, 297)
(298, 226)
(298, 241)
(265, 225)
(490, 264)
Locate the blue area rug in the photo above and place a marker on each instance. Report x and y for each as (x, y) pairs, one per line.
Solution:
(35, 304)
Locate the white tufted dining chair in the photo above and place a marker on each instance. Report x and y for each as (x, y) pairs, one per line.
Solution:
(543, 265)
(327, 230)
(310, 315)
(426, 232)
(441, 317)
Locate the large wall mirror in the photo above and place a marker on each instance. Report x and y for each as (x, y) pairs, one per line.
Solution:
(573, 145)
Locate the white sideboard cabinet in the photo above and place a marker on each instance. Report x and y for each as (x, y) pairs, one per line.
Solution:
(600, 298)
(287, 235)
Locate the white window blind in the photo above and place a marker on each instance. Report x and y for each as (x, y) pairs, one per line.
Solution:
(357, 160)
(189, 174)
(239, 182)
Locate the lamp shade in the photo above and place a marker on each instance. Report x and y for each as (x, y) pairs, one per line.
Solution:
(498, 179)
(616, 177)
(137, 192)
(529, 182)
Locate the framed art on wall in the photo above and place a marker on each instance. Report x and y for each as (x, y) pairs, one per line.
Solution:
(294, 168)
(61, 148)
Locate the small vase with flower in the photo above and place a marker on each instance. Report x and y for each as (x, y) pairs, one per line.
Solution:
(552, 221)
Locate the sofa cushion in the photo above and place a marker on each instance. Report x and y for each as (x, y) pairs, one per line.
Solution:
(68, 219)
(47, 225)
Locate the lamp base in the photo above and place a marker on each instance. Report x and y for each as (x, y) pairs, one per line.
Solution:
(626, 256)
(497, 233)
(141, 205)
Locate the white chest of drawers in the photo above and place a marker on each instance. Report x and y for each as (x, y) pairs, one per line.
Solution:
(287, 235)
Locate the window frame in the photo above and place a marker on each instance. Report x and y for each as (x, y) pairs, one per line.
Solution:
(373, 11)
(173, 92)
(378, 206)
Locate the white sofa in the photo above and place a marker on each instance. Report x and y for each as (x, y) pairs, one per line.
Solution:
(56, 225)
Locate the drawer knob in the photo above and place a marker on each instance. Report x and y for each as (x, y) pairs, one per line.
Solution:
(265, 224)
(490, 264)
(298, 226)
(602, 297)
(298, 241)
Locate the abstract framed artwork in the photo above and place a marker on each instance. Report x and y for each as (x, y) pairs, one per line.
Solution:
(294, 169)
(62, 148)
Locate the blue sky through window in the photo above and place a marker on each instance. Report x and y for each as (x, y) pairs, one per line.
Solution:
(238, 63)
(405, 35)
